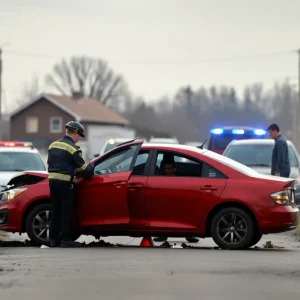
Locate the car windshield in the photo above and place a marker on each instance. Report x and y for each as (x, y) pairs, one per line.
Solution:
(231, 163)
(257, 154)
(21, 161)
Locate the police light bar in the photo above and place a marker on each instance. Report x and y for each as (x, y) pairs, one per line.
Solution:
(217, 131)
(15, 144)
(238, 131)
(260, 132)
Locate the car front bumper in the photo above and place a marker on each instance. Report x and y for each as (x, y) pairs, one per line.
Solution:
(11, 214)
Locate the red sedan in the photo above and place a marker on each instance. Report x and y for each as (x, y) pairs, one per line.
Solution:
(208, 196)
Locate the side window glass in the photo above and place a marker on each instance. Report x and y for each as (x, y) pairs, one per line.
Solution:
(119, 161)
(139, 165)
(183, 167)
(211, 172)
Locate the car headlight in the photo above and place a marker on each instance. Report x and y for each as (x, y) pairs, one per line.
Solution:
(11, 194)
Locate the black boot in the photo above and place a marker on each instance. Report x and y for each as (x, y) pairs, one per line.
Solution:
(192, 239)
(54, 243)
(160, 239)
(70, 244)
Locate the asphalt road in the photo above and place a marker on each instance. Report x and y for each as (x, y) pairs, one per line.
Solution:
(151, 273)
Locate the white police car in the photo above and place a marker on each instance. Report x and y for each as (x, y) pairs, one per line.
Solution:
(16, 157)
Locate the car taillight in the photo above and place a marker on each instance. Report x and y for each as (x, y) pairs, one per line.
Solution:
(284, 197)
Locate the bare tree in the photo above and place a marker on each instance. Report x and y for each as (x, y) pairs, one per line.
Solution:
(29, 91)
(91, 77)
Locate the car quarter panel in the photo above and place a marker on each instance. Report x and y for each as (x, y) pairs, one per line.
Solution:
(178, 202)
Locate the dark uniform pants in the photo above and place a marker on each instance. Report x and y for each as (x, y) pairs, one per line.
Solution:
(62, 195)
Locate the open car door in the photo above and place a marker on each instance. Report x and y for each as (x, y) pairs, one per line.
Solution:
(102, 199)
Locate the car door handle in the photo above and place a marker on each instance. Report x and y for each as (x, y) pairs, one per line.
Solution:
(118, 183)
(208, 188)
(135, 186)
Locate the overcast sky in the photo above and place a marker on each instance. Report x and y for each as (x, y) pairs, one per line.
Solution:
(157, 45)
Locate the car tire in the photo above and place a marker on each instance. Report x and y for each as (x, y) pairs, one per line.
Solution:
(243, 233)
(257, 237)
(42, 211)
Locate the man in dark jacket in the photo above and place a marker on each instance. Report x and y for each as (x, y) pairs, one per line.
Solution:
(65, 166)
(280, 156)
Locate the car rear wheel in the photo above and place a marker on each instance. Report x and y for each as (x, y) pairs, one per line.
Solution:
(257, 237)
(233, 228)
(38, 225)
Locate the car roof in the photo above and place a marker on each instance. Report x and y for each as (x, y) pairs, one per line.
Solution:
(256, 141)
(172, 147)
(162, 139)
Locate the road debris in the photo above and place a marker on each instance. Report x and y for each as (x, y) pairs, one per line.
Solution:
(101, 243)
(168, 245)
(270, 245)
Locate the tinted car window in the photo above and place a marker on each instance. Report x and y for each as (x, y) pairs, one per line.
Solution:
(231, 163)
(113, 162)
(257, 155)
(21, 161)
(139, 165)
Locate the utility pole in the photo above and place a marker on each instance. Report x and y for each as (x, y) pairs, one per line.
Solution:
(1, 102)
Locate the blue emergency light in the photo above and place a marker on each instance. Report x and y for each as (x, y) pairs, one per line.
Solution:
(217, 131)
(260, 132)
(238, 131)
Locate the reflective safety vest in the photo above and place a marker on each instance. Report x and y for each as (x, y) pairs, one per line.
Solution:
(65, 161)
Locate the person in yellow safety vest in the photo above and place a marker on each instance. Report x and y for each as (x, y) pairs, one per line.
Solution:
(66, 167)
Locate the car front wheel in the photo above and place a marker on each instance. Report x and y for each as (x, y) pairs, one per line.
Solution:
(233, 228)
(38, 225)
(257, 237)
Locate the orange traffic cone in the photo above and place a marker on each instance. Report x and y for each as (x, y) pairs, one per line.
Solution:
(147, 242)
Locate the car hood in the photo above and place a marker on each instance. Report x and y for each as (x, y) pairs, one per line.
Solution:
(5, 177)
(40, 174)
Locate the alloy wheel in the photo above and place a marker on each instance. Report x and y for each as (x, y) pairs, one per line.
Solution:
(41, 225)
(232, 228)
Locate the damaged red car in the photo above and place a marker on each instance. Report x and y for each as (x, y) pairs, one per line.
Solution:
(208, 196)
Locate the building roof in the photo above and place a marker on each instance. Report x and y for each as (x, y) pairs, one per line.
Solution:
(83, 109)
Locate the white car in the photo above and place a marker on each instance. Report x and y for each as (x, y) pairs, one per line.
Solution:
(16, 157)
(257, 154)
(112, 143)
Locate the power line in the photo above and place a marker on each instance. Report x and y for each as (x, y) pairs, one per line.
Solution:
(165, 61)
